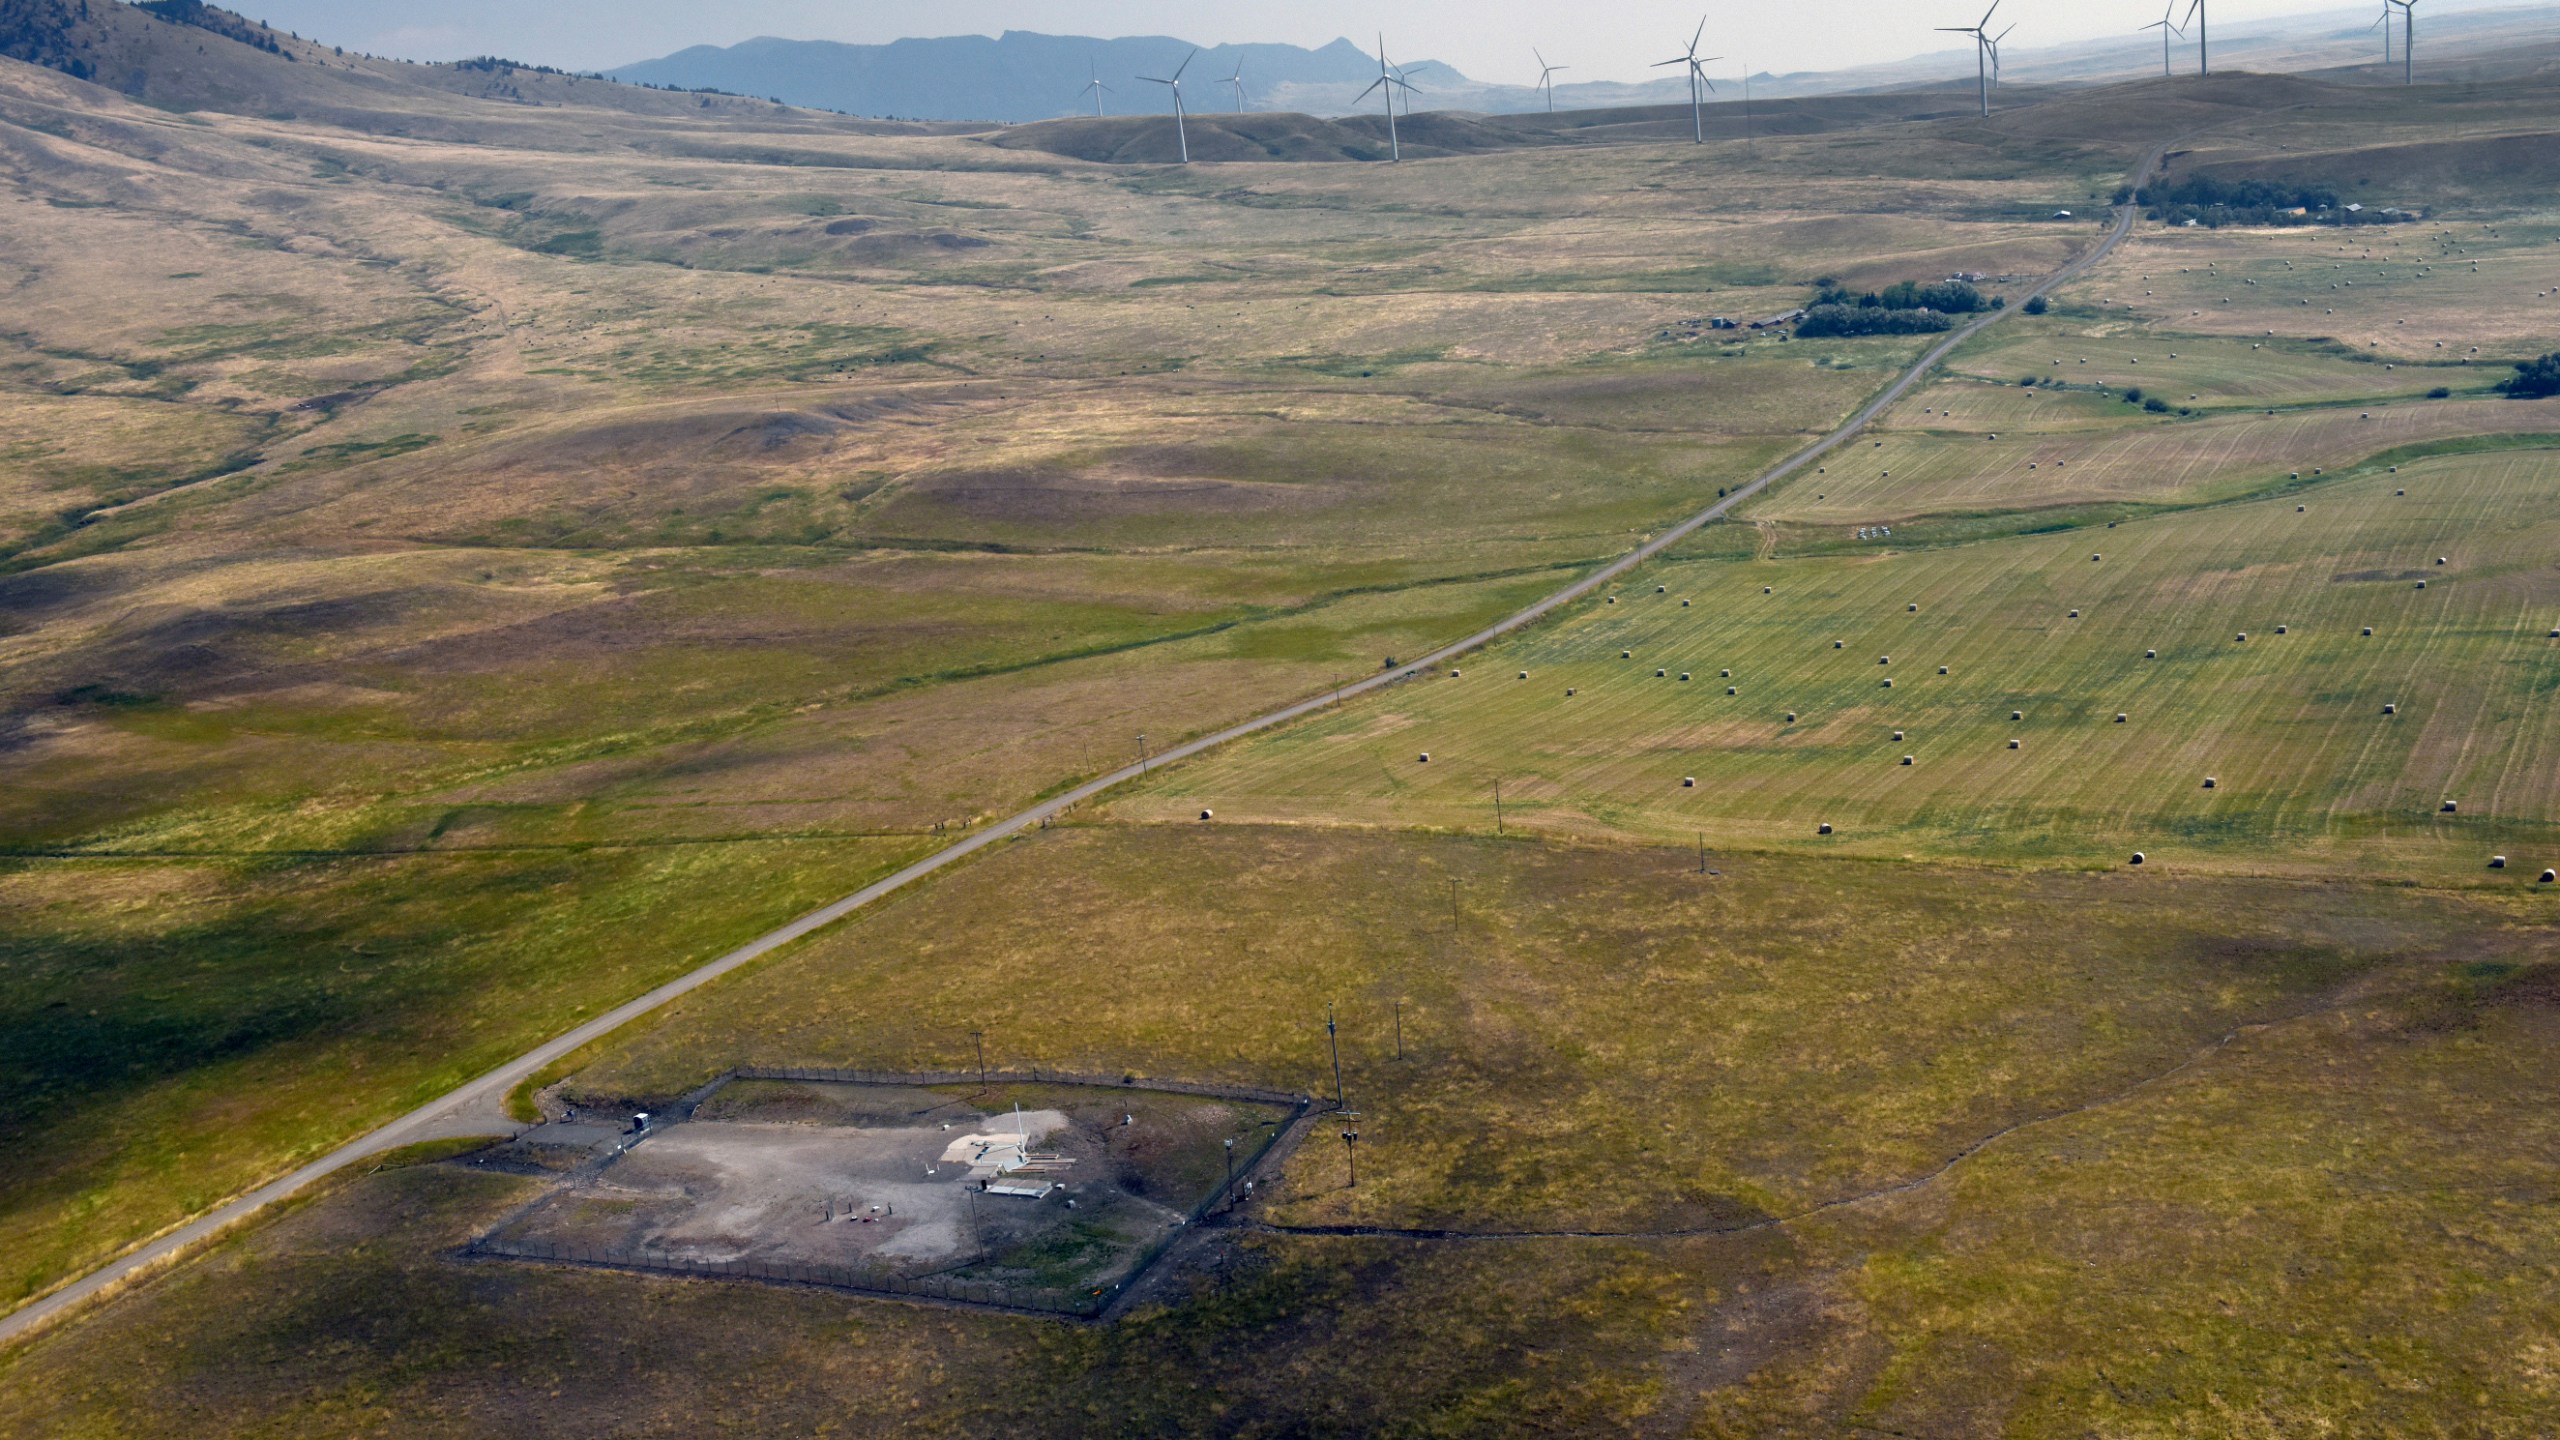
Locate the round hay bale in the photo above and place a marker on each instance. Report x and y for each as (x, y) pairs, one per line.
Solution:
(2440, 560)
(2013, 744)
(1942, 669)
(1884, 659)
(1626, 654)
(1906, 759)
(1454, 673)
(2154, 654)
(1684, 677)
(2075, 614)
(2369, 630)
(1765, 590)
(2208, 782)
(1732, 690)
(1423, 759)
(1684, 604)
(2497, 862)
(2300, 509)
(2422, 584)
(1688, 782)
(2448, 808)
(1613, 599)
(1897, 734)
(2119, 717)
(1524, 674)
(1839, 644)
(2548, 876)
(1208, 814)
(2390, 709)
(1914, 609)
(2280, 630)
(2017, 714)
(1726, 675)
(1568, 692)
(2137, 857)
(1660, 674)
(1888, 682)
(1825, 828)
(1791, 717)
(1661, 589)
(2094, 559)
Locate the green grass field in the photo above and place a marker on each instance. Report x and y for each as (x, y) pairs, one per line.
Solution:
(2310, 772)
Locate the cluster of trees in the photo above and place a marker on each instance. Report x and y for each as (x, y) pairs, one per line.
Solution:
(40, 33)
(2213, 203)
(2534, 379)
(252, 33)
(1907, 307)
(1947, 297)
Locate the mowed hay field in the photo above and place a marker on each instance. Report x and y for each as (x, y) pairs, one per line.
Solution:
(2310, 772)
(2121, 457)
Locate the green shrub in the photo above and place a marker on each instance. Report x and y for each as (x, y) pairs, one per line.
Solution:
(2534, 379)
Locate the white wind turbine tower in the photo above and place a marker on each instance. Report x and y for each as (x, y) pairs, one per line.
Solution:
(1389, 78)
(1545, 80)
(1096, 89)
(2166, 30)
(1696, 64)
(1181, 134)
(2204, 41)
(1982, 51)
(2384, 25)
(1237, 80)
(1994, 44)
(2408, 39)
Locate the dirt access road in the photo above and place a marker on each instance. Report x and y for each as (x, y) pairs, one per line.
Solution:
(479, 1108)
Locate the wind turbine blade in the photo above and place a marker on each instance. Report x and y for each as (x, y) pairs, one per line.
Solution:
(1674, 60)
(1987, 14)
(1194, 55)
(1373, 87)
(1542, 60)
(1702, 33)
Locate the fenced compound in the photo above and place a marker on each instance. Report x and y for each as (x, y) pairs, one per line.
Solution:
(945, 1287)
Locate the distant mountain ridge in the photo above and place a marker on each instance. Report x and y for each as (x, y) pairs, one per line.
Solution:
(1017, 76)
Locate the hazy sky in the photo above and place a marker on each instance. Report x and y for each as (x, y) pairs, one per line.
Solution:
(1488, 39)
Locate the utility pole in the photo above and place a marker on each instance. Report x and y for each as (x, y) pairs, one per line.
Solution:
(1497, 807)
(1399, 1029)
(979, 1039)
(1702, 852)
(1350, 1153)
(1453, 909)
(1231, 1169)
(1333, 1039)
(1142, 752)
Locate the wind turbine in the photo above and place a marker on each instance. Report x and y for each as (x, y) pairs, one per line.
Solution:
(1994, 44)
(1982, 51)
(2408, 39)
(2204, 45)
(2384, 25)
(1545, 71)
(1389, 78)
(2166, 30)
(1181, 134)
(1696, 64)
(1237, 80)
(1095, 88)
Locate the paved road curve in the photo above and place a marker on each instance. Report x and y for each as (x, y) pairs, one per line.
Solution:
(478, 1108)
